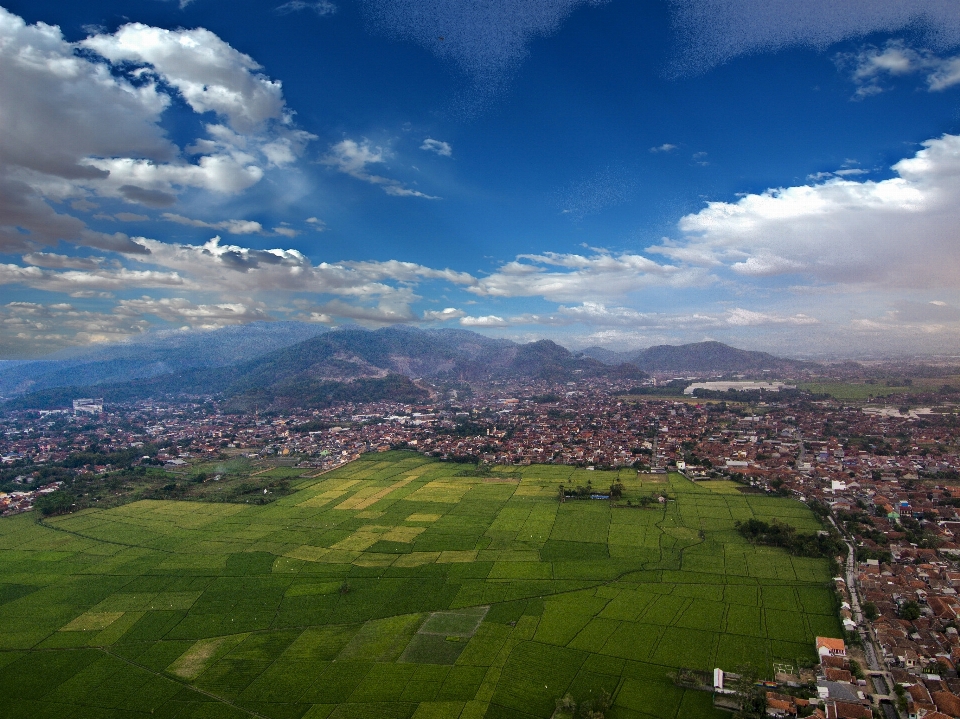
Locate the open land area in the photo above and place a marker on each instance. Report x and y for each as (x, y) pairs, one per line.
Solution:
(391, 587)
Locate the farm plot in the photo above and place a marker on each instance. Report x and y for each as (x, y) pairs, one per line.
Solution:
(392, 587)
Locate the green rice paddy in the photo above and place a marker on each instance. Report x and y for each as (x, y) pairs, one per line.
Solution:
(391, 588)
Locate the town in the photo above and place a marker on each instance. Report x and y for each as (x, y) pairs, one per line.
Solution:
(886, 477)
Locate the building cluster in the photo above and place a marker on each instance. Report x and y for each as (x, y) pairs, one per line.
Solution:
(22, 501)
(808, 447)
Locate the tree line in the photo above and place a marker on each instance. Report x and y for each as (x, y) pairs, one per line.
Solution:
(801, 544)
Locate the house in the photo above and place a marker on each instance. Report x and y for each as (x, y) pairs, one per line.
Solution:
(838, 675)
(784, 705)
(779, 707)
(947, 703)
(827, 646)
(847, 710)
(919, 701)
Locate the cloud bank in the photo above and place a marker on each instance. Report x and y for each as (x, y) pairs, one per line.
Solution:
(896, 233)
(82, 123)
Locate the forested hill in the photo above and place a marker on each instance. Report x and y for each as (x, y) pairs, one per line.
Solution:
(349, 365)
(354, 364)
(696, 357)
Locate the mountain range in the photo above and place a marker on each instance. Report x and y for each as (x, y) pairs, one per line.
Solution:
(284, 365)
(152, 355)
(696, 357)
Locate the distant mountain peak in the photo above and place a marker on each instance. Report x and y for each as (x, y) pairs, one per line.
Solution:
(706, 356)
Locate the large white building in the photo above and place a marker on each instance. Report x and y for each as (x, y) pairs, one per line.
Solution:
(739, 385)
(90, 406)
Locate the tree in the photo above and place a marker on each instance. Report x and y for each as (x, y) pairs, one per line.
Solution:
(910, 611)
(870, 611)
(566, 706)
(597, 708)
(58, 502)
(751, 698)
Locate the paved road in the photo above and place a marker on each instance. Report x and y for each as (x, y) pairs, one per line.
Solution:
(863, 628)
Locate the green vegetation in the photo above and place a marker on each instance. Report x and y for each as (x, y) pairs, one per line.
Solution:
(855, 391)
(243, 392)
(778, 534)
(673, 388)
(233, 480)
(751, 697)
(909, 611)
(392, 588)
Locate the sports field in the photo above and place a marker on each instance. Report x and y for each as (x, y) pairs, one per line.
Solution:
(391, 588)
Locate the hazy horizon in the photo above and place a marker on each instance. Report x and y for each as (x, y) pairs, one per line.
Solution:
(90, 350)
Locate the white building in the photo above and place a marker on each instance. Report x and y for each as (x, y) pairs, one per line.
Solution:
(90, 406)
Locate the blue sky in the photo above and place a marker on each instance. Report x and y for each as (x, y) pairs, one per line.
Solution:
(775, 175)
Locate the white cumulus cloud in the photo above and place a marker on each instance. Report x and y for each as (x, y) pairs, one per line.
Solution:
(438, 146)
(872, 65)
(233, 227)
(450, 313)
(566, 277)
(82, 120)
(895, 233)
(484, 321)
(201, 316)
(209, 74)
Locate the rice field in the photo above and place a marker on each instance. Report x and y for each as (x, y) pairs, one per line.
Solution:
(392, 588)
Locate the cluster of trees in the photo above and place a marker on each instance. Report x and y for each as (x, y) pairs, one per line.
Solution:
(909, 611)
(860, 524)
(881, 555)
(58, 502)
(596, 708)
(466, 428)
(121, 459)
(580, 492)
(314, 425)
(667, 389)
(80, 489)
(801, 544)
(548, 398)
(751, 694)
(87, 489)
(747, 395)
(917, 535)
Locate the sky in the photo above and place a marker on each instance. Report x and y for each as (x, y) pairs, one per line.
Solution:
(781, 175)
